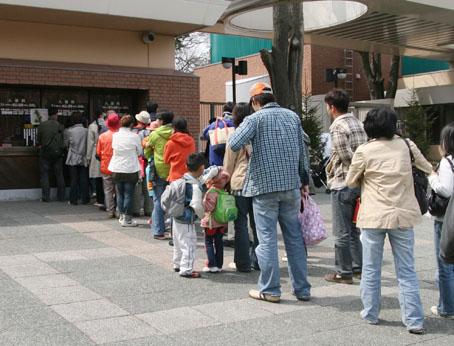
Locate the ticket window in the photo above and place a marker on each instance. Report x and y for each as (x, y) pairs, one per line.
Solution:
(15, 106)
(67, 102)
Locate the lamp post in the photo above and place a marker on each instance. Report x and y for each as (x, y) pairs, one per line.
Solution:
(240, 69)
(334, 74)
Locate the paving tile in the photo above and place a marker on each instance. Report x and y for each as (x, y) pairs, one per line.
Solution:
(34, 283)
(71, 255)
(15, 300)
(116, 329)
(108, 252)
(232, 311)
(60, 335)
(89, 310)
(28, 318)
(17, 260)
(178, 320)
(29, 269)
(9, 285)
(64, 295)
(156, 340)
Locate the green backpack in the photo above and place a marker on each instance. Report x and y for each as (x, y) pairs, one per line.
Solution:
(226, 209)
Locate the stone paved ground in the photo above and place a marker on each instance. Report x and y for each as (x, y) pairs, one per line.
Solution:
(69, 276)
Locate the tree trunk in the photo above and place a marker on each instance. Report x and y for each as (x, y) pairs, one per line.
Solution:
(375, 81)
(393, 77)
(285, 61)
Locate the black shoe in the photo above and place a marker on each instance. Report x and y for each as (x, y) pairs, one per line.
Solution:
(229, 243)
(171, 242)
(302, 298)
(417, 331)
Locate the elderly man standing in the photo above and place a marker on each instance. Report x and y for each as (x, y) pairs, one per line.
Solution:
(277, 174)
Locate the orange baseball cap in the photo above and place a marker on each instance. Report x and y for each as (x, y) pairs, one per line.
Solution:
(260, 88)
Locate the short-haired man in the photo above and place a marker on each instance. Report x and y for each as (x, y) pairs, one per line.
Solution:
(347, 134)
(276, 172)
(51, 142)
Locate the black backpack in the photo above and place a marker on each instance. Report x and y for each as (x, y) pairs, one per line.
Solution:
(53, 149)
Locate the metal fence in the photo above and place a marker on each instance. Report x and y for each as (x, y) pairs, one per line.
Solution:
(208, 110)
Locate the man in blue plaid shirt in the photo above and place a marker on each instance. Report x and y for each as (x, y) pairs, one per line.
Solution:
(276, 175)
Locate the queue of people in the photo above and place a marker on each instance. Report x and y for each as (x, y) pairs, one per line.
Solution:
(262, 162)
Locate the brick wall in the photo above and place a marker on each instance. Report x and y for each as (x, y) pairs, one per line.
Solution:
(316, 60)
(170, 89)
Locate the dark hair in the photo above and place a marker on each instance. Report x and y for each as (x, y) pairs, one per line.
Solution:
(180, 124)
(194, 161)
(126, 120)
(151, 107)
(380, 122)
(52, 111)
(76, 118)
(447, 139)
(166, 115)
(263, 99)
(339, 99)
(228, 107)
(98, 112)
(241, 111)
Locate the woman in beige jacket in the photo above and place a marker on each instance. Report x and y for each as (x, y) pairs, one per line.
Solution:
(236, 164)
(382, 167)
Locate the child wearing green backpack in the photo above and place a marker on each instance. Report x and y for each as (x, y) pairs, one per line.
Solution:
(219, 210)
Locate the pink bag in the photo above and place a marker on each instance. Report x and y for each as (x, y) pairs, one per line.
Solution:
(311, 221)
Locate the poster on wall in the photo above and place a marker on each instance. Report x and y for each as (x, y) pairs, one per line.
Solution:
(38, 115)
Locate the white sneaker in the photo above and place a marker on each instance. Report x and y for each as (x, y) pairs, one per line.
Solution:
(128, 223)
(121, 218)
(434, 310)
(232, 265)
(211, 270)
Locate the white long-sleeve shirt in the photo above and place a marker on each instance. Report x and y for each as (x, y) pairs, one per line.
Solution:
(443, 182)
(126, 149)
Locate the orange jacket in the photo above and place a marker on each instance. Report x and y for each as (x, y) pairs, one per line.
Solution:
(104, 150)
(177, 149)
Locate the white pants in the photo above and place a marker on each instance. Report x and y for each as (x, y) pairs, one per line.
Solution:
(184, 245)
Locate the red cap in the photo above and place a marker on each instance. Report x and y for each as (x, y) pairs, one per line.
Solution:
(113, 121)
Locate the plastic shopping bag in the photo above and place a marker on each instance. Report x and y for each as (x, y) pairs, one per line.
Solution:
(311, 221)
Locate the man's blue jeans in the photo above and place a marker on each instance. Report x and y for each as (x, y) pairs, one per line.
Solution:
(444, 277)
(125, 192)
(270, 208)
(242, 255)
(347, 246)
(158, 226)
(402, 244)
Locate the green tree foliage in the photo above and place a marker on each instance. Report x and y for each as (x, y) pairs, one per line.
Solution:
(418, 123)
(313, 126)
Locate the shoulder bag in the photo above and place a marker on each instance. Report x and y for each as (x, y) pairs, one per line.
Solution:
(437, 203)
(420, 182)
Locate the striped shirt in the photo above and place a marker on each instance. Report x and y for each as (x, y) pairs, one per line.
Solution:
(347, 134)
(278, 161)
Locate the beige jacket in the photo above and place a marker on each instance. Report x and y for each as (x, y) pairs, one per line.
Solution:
(236, 164)
(383, 170)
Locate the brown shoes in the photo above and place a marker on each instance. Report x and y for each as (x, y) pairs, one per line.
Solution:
(334, 277)
(263, 296)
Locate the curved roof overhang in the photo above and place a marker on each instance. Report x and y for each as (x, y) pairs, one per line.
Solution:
(418, 28)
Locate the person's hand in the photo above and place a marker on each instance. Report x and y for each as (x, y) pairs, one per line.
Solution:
(147, 145)
(433, 173)
(305, 190)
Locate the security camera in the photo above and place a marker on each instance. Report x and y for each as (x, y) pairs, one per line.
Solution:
(148, 37)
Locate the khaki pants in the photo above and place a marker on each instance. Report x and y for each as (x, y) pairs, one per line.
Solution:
(109, 188)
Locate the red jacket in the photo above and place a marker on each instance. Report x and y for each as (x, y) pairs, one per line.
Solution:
(177, 149)
(104, 150)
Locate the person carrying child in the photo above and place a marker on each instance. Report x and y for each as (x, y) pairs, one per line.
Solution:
(214, 230)
(182, 200)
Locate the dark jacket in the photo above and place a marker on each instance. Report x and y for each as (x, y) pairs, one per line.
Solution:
(447, 235)
(47, 130)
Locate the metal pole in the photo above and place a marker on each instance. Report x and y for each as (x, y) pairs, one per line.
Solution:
(233, 81)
